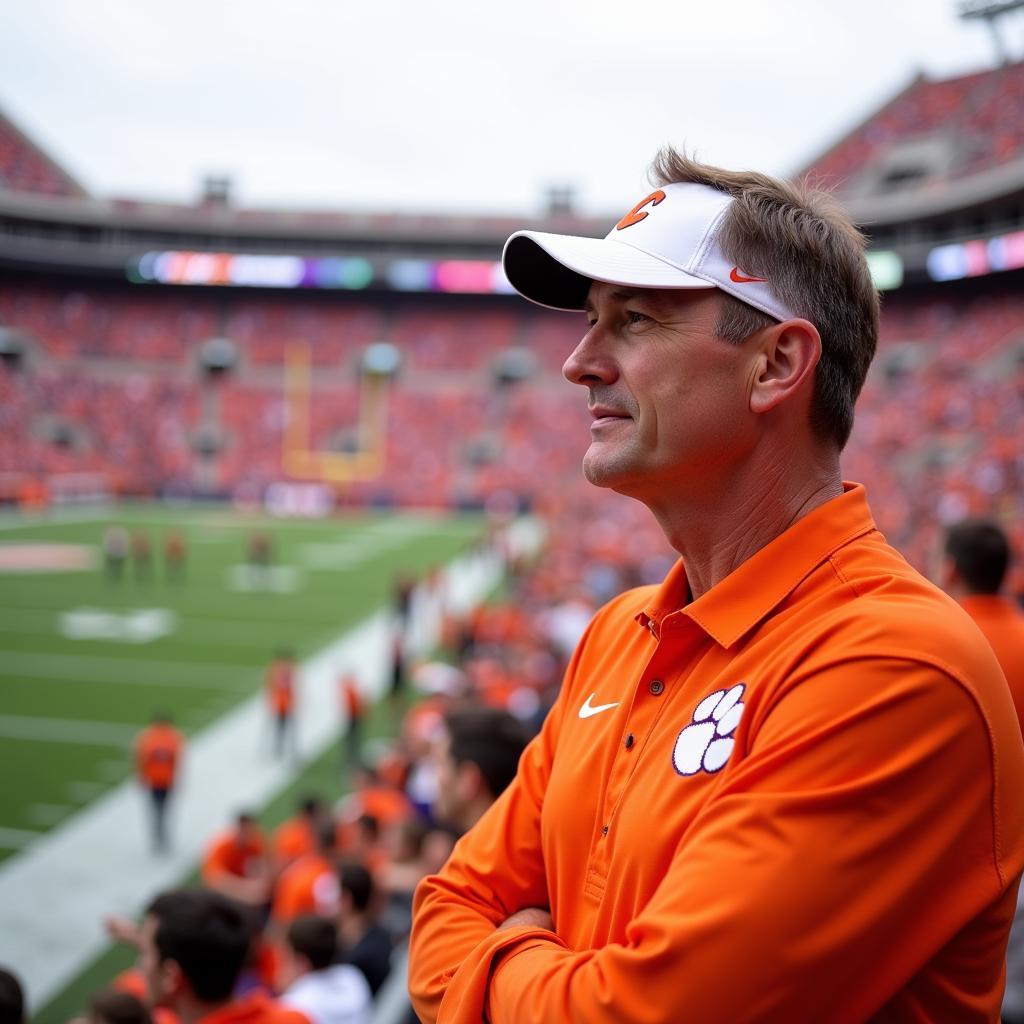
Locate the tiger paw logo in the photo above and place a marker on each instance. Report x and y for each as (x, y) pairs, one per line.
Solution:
(706, 743)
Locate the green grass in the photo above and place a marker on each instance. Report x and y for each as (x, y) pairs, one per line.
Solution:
(213, 658)
(323, 776)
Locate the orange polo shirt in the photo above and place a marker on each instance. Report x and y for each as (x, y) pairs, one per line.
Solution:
(157, 751)
(1002, 622)
(793, 799)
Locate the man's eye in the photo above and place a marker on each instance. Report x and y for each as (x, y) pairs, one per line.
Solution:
(636, 318)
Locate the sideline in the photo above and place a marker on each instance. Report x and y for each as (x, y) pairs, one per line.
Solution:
(56, 890)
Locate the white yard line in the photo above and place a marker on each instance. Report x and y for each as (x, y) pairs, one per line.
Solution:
(95, 668)
(66, 730)
(58, 517)
(54, 894)
(16, 838)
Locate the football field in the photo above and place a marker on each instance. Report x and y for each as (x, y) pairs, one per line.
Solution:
(87, 657)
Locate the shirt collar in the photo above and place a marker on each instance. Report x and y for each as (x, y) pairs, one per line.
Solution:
(752, 590)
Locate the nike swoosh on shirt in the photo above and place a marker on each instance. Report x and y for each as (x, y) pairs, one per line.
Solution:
(589, 710)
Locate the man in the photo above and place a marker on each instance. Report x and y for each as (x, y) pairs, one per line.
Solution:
(235, 862)
(193, 945)
(765, 792)
(366, 943)
(353, 711)
(977, 555)
(310, 884)
(280, 687)
(297, 836)
(476, 757)
(158, 751)
(325, 991)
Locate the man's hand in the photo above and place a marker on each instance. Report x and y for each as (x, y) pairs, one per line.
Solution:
(531, 917)
(121, 929)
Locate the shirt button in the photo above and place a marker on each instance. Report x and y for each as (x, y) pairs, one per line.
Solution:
(604, 830)
(629, 741)
(656, 686)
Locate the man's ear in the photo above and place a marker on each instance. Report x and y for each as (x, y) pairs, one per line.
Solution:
(787, 356)
(468, 781)
(172, 979)
(949, 575)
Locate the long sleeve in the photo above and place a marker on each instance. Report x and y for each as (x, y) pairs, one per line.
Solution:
(836, 837)
(494, 870)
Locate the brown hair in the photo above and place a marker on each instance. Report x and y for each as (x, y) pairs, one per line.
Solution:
(801, 240)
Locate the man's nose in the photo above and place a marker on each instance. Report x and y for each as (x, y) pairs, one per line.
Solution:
(588, 364)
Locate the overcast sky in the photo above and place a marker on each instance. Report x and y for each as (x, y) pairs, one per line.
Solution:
(454, 105)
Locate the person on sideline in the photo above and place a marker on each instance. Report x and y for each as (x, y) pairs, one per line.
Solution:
(765, 792)
(158, 754)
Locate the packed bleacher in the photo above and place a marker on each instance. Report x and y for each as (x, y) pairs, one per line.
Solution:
(110, 385)
(25, 168)
(981, 111)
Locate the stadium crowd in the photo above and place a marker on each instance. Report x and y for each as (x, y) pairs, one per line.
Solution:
(105, 391)
(320, 907)
(982, 111)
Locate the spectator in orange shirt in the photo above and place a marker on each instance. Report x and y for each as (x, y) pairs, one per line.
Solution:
(280, 685)
(977, 557)
(236, 862)
(309, 885)
(297, 836)
(784, 784)
(158, 752)
(194, 944)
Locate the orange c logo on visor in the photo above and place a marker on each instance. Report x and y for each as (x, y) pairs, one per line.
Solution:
(638, 213)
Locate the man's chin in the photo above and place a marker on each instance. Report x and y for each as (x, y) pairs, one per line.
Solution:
(604, 472)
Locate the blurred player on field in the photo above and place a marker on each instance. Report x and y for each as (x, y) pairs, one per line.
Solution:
(116, 543)
(280, 687)
(353, 707)
(142, 556)
(158, 752)
(174, 557)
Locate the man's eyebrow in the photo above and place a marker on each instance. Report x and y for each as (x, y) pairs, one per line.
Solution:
(623, 295)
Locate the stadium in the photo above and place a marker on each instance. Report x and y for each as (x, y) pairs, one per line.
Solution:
(233, 432)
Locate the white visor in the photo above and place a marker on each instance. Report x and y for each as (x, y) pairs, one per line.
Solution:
(668, 240)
